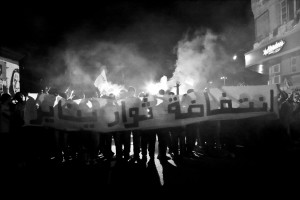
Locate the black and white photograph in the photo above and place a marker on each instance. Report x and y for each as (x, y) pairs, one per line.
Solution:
(131, 98)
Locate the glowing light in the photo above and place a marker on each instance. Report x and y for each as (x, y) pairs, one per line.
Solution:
(260, 69)
(159, 101)
(57, 99)
(234, 57)
(152, 88)
(77, 101)
(189, 81)
(224, 78)
(89, 104)
(248, 59)
(33, 95)
(273, 48)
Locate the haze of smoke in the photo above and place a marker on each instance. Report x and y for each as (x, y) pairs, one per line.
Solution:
(198, 59)
(123, 64)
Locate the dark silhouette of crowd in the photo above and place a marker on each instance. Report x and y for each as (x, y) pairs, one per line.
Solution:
(23, 145)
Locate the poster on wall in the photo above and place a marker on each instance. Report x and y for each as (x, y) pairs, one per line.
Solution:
(12, 79)
(1, 86)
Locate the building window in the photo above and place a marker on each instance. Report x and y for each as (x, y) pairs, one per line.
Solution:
(276, 79)
(294, 64)
(297, 11)
(275, 69)
(296, 79)
(284, 11)
(262, 26)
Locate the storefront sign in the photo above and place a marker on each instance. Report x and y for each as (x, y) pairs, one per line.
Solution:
(273, 48)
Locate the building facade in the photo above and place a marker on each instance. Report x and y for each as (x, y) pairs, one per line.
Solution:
(276, 50)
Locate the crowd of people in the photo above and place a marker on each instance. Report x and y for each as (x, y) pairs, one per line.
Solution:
(21, 144)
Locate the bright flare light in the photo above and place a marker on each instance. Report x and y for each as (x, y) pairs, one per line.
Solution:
(152, 88)
(190, 82)
(234, 57)
(89, 104)
(260, 69)
(33, 95)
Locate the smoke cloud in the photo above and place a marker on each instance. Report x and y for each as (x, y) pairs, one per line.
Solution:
(83, 62)
(148, 49)
(199, 59)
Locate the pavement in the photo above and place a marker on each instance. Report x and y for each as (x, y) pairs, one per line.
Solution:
(216, 170)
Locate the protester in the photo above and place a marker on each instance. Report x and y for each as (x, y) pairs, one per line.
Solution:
(148, 137)
(178, 142)
(191, 136)
(5, 129)
(122, 138)
(132, 101)
(148, 141)
(5, 103)
(18, 136)
(105, 145)
(163, 134)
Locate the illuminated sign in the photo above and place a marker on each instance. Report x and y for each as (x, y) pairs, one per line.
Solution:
(273, 48)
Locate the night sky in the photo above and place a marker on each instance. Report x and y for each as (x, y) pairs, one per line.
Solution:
(56, 36)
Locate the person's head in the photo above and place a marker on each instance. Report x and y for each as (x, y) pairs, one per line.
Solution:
(161, 92)
(122, 94)
(112, 96)
(18, 97)
(171, 93)
(190, 91)
(5, 98)
(91, 93)
(141, 94)
(63, 95)
(53, 91)
(167, 92)
(78, 94)
(131, 91)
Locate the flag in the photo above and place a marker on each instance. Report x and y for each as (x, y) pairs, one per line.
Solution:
(101, 80)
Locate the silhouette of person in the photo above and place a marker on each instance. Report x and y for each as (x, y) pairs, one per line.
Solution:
(5, 118)
(17, 121)
(122, 138)
(148, 137)
(132, 101)
(163, 134)
(106, 138)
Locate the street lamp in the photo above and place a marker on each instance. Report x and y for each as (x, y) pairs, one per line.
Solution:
(177, 87)
(224, 79)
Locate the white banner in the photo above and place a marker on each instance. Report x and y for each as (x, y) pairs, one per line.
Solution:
(105, 115)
